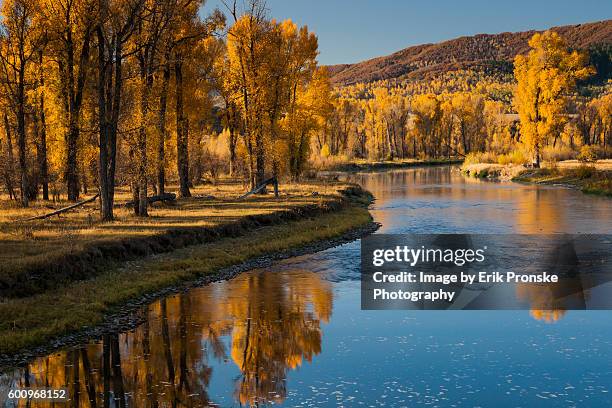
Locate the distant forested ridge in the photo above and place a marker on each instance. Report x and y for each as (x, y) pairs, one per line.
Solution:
(491, 52)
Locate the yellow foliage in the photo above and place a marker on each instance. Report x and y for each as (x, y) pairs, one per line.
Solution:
(545, 76)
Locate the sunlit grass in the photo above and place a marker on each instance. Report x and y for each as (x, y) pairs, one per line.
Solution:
(34, 242)
(587, 178)
(31, 321)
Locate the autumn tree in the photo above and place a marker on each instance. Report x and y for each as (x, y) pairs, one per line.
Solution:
(71, 27)
(498, 134)
(189, 31)
(116, 24)
(40, 125)
(248, 52)
(427, 113)
(546, 76)
(20, 44)
(468, 109)
(294, 73)
(155, 18)
(308, 114)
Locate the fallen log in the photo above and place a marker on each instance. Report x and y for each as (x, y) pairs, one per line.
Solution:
(62, 210)
(261, 187)
(154, 199)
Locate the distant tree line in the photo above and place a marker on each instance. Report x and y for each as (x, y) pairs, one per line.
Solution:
(557, 101)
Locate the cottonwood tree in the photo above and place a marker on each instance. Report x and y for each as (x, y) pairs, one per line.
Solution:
(20, 42)
(189, 31)
(307, 115)
(546, 76)
(248, 48)
(71, 27)
(230, 105)
(117, 20)
(154, 20)
(40, 124)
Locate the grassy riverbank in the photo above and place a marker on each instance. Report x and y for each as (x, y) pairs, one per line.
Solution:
(36, 256)
(259, 226)
(589, 178)
(359, 165)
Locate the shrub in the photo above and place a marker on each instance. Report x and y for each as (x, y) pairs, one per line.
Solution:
(588, 154)
(557, 153)
(602, 187)
(514, 157)
(584, 172)
(480, 157)
(320, 162)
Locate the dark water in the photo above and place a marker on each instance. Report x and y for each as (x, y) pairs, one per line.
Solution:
(295, 334)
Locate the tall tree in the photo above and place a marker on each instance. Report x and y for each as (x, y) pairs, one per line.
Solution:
(71, 26)
(152, 25)
(116, 24)
(248, 46)
(546, 76)
(186, 30)
(307, 115)
(20, 43)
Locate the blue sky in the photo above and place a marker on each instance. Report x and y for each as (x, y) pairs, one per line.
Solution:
(352, 31)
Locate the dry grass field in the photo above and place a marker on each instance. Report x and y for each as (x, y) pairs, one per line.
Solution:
(40, 238)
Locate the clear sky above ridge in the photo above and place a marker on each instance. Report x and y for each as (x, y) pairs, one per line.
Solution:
(352, 31)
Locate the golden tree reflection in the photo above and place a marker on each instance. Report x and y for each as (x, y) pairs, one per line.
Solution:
(276, 333)
(549, 316)
(270, 322)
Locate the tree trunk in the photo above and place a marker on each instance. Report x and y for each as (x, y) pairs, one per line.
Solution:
(231, 125)
(106, 210)
(182, 136)
(71, 175)
(161, 126)
(260, 159)
(43, 165)
(232, 149)
(83, 178)
(75, 93)
(142, 154)
(21, 136)
(109, 99)
(8, 172)
(114, 123)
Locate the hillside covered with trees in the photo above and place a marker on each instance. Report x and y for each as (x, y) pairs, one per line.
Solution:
(494, 52)
(517, 98)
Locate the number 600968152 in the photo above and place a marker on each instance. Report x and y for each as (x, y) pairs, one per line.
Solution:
(38, 394)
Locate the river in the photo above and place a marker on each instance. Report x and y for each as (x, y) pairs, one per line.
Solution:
(294, 334)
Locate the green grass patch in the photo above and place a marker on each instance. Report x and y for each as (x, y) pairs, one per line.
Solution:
(586, 178)
(368, 165)
(599, 187)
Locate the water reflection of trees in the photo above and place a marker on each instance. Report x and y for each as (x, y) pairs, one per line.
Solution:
(267, 323)
(276, 333)
(550, 301)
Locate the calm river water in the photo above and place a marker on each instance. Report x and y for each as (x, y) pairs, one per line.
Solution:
(294, 334)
